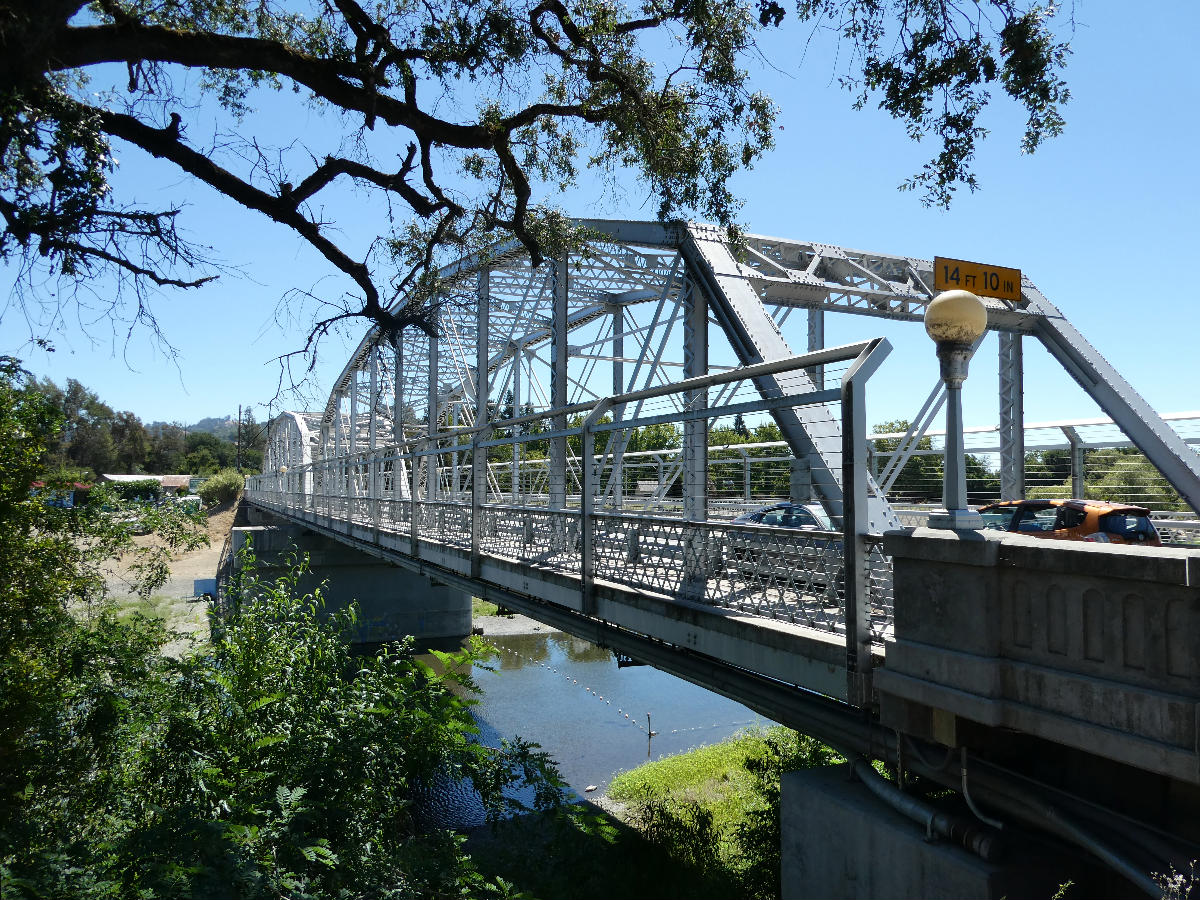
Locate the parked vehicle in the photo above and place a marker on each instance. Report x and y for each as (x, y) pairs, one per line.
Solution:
(1097, 521)
(757, 551)
(808, 516)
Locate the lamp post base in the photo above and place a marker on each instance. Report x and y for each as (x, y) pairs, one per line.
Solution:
(955, 520)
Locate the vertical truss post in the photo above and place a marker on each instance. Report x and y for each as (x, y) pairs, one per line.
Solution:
(816, 341)
(414, 469)
(695, 446)
(518, 352)
(1078, 487)
(1012, 418)
(618, 387)
(352, 449)
(398, 393)
(456, 474)
(800, 487)
(431, 461)
(558, 383)
(479, 454)
(695, 431)
(372, 422)
(856, 520)
(588, 478)
(399, 487)
(372, 439)
(352, 436)
(337, 426)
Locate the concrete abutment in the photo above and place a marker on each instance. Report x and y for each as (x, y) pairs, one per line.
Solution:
(840, 841)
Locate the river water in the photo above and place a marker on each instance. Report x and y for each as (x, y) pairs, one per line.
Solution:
(569, 696)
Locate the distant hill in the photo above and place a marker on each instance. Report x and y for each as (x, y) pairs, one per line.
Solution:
(224, 428)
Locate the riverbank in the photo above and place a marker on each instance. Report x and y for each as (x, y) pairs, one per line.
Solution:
(508, 624)
(699, 824)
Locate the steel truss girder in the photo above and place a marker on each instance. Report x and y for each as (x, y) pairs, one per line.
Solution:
(632, 261)
(811, 431)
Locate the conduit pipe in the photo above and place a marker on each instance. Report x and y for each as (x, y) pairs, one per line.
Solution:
(966, 792)
(982, 842)
(1014, 801)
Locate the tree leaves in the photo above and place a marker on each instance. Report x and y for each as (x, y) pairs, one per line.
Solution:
(490, 107)
(275, 763)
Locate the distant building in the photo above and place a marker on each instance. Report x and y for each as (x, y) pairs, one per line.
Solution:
(64, 496)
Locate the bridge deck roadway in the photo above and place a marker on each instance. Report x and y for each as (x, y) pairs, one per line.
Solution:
(782, 632)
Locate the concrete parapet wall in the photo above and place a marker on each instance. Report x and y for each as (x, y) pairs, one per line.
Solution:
(393, 602)
(1089, 645)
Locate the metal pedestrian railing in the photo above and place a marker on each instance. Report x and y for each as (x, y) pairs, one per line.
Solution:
(443, 491)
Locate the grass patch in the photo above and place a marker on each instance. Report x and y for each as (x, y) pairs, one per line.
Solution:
(480, 607)
(187, 617)
(701, 824)
(165, 609)
(714, 777)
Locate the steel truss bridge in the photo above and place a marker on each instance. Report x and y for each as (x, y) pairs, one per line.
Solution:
(557, 447)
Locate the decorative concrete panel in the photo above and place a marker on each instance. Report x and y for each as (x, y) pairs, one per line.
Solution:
(1093, 646)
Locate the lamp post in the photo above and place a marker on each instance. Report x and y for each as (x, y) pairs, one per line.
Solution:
(955, 320)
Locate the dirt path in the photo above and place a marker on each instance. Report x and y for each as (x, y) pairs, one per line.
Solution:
(181, 601)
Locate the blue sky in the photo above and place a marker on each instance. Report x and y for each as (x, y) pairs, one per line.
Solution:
(1103, 219)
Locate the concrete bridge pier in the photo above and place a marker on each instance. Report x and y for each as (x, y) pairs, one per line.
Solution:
(1069, 674)
(393, 602)
(841, 841)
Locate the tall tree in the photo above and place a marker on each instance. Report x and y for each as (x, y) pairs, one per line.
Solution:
(86, 438)
(131, 442)
(463, 115)
(167, 450)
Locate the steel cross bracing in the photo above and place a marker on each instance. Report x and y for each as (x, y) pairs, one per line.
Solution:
(810, 582)
(633, 309)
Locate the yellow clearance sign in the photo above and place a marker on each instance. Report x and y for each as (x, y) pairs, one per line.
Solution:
(987, 281)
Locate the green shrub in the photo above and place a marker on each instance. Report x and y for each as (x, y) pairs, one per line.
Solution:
(276, 764)
(222, 488)
(148, 490)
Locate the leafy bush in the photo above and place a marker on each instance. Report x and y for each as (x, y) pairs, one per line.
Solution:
(222, 488)
(274, 764)
(278, 764)
(146, 489)
(760, 837)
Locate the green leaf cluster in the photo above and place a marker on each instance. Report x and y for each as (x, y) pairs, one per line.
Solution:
(273, 763)
(222, 488)
(491, 108)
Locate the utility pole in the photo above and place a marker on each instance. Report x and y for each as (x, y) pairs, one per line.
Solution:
(238, 455)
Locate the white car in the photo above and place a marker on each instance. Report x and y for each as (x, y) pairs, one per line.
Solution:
(755, 551)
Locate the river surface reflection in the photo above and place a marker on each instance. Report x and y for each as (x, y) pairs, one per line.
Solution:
(570, 696)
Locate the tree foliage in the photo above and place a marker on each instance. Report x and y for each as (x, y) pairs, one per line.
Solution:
(1118, 474)
(53, 633)
(464, 117)
(94, 440)
(275, 763)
